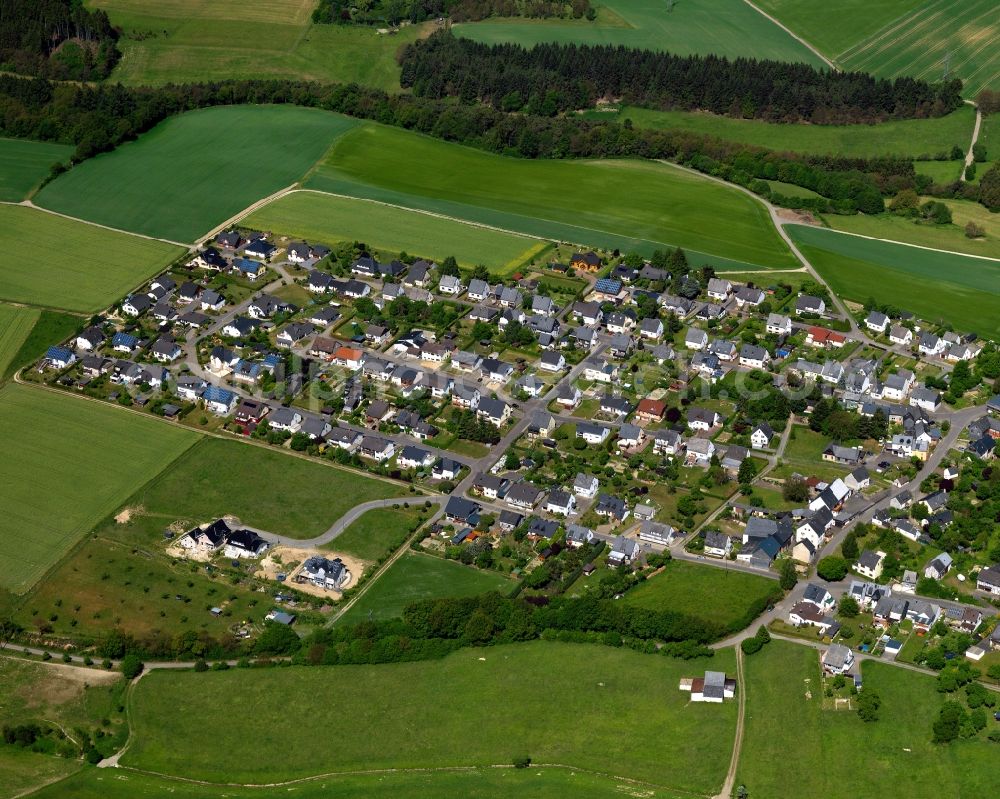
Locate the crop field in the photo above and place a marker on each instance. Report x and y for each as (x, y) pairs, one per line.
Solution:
(723, 27)
(833, 27)
(937, 38)
(328, 219)
(625, 204)
(487, 783)
(937, 286)
(376, 533)
(24, 164)
(910, 137)
(416, 576)
(940, 237)
(15, 325)
(196, 170)
(785, 723)
(56, 262)
(268, 490)
(48, 328)
(718, 596)
(50, 495)
(197, 40)
(185, 722)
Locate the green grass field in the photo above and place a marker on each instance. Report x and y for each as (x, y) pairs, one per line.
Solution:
(22, 771)
(15, 326)
(196, 170)
(474, 707)
(48, 328)
(911, 137)
(723, 27)
(68, 464)
(935, 38)
(491, 783)
(940, 171)
(195, 40)
(719, 596)
(833, 27)
(940, 237)
(416, 576)
(938, 286)
(328, 219)
(24, 164)
(265, 489)
(625, 204)
(88, 268)
(893, 754)
(376, 533)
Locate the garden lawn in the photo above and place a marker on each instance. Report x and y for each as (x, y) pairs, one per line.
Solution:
(722, 27)
(60, 263)
(627, 204)
(488, 783)
(474, 707)
(195, 171)
(15, 326)
(269, 490)
(328, 219)
(24, 164)
(833, 27)
(893, 754)
(68, 463)
(940, 237)
(376, 533)
(722, 597)
(929, 40)
(939, 287)
(911, 137)
(418, 576)
(187, 41)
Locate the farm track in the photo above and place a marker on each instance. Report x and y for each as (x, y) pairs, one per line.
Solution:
(790, 32)
(30, 204)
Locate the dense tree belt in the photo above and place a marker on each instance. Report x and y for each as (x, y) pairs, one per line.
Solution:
(351, 12)
(56, 38)
(553, 78)
(99, 118)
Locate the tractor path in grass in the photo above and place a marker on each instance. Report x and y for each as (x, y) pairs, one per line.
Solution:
(30, 204)
(797, 38)
(969, 157)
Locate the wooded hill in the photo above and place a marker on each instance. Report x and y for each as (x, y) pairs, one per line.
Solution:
(553, 78)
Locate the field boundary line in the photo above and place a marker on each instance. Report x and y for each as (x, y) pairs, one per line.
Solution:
(794, 35)
(246, 212)
(899, 243)
(30, 204)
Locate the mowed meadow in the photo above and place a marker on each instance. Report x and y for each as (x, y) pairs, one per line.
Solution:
(938, 286)
(328, 219)
(24, 164)
(604, 709)
(68, 464)
(721, 27)
(61, 263)
(196, 170)
(627, 204)
(187, 41)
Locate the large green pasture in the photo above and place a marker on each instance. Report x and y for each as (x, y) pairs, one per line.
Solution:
(61, 263)
(932, 40)
(571, 704)
(937, 286)
(723, 27)
(626, 204)
(486, 783)
(187, 41)
(15, 325)
(417, 576)
(940, 237)
(718, 596)
(833, 27)
(195, 171)
(786, 725)
(268, 490)
(328, 219)
(24, 164)
(67, 464)
(911, 137)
